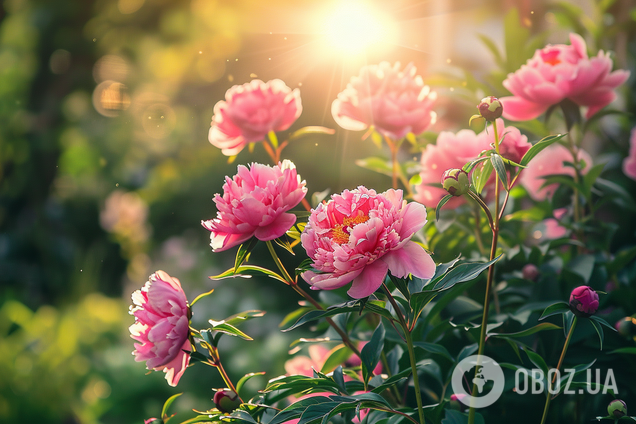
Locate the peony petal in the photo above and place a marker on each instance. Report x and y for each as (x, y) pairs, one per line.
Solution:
(369, 280)
(519, 109)
(410, 259)
(329, 281)
(413, 220)
(277, 228)
(175, 368)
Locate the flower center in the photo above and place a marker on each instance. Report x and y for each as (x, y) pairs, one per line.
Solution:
(340, 233)
(550, 57)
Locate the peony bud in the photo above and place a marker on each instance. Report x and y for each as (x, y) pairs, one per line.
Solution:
(530, 272)
(226, 400)
(617, 408)
(626, 327)
(455, 181)
(490, 108)
(583, 301)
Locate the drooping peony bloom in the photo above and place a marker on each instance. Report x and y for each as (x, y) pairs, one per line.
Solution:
(359, 235)
(162, 319)
(254, 203)
(584, 301)
(250, 111)
(559, 72)
(395, 102)
(629, 163)
(455, 150)
(548, 162)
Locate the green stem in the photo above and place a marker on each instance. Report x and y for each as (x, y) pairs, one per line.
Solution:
(565, 349)
(409, 344)
(219, 366)
(294, 285)
(491, 274)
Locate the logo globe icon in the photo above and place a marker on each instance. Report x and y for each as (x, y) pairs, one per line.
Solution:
(478, 370)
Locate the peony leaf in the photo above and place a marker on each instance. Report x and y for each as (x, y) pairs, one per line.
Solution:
(244, 379)
(164, 412)
(243, 252)
(557, 308)
(481, 175)
(376, 164)
(201, 296)
(309, 130)
(500, 169)
(441, 203)
(538, 147)
(528, 331)
(370, 354)
(336, 356)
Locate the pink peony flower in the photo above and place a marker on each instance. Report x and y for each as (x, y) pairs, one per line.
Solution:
(584, 301)
(629, 163)
(559, 72)
(304, 365)
(250, 111)
(359, 235)
(553, 230)
(549, 161)
(254, 203)
(162, 319)
(395, 102)
(455, 150)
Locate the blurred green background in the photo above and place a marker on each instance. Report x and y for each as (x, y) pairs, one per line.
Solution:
(106, 171)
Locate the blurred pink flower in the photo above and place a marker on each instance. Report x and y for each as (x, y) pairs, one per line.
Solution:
(252, 110)
(162, 319)
(395, 102)
(553, 230)
(455, 150)
(629, 163)
(125, 214)
(359, 235)
(304, 365)
(254, 203)
(559, 72)
(548, 162)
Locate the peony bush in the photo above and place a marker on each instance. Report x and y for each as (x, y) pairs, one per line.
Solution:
(504, 214)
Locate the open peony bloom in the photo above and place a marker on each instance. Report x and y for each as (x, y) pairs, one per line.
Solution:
(162, 319)
(254, 203)
(250, 111)
(548, 162)
(559, 72)
(395, 102)
(359, 235)
(584, 301)
(455, 150)
(629, 163)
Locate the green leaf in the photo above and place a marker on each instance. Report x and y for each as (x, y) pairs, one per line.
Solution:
(243, 252)
(243, 268)
(492, 47)
(539, 146)
(456, 417)
(244, 380)
(554, 309)
(599, 330)
(309, 130)
(540, 327)
(461, 273)
(617, 193)
(435, 348)
(466, 352)
(370, 354)
(470, 165)
(590, 178)
(201, 296)
(516, 37)
(568, 319)
(621, 260)
(537, 360)
(386, 384)
(627, 350)
(441, 203)
(582, 265)
(353, 306)
(481, 175)
(336, 357)
(415, 180)
(603, 322)
(376, 164)
(243, 316)
(476, 116)
(500, 169)
(166, 406)
(225, 328)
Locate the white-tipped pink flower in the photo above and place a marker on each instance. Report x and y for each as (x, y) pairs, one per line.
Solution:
(559, 72)
(162, 320)
(254, 203)
(359, 236)
(395, 102)
(250, 111)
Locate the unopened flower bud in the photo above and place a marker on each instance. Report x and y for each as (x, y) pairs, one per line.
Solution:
(455, 181)
(226, 400)
(583, 301)
(617, 408)
(530, 272)
(490, 108)
(626, 327)
(455, 402)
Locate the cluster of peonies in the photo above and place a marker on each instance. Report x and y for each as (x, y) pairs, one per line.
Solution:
(360, 235)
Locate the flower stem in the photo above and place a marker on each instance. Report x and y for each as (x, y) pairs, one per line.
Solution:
(491, 274)
(409, 344)
(216, 363)
(565, 349)
(294, 285)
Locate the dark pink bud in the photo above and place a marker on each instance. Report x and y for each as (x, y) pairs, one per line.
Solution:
(583, 301)
(226, 400)
(530, 272)
(490, 108)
